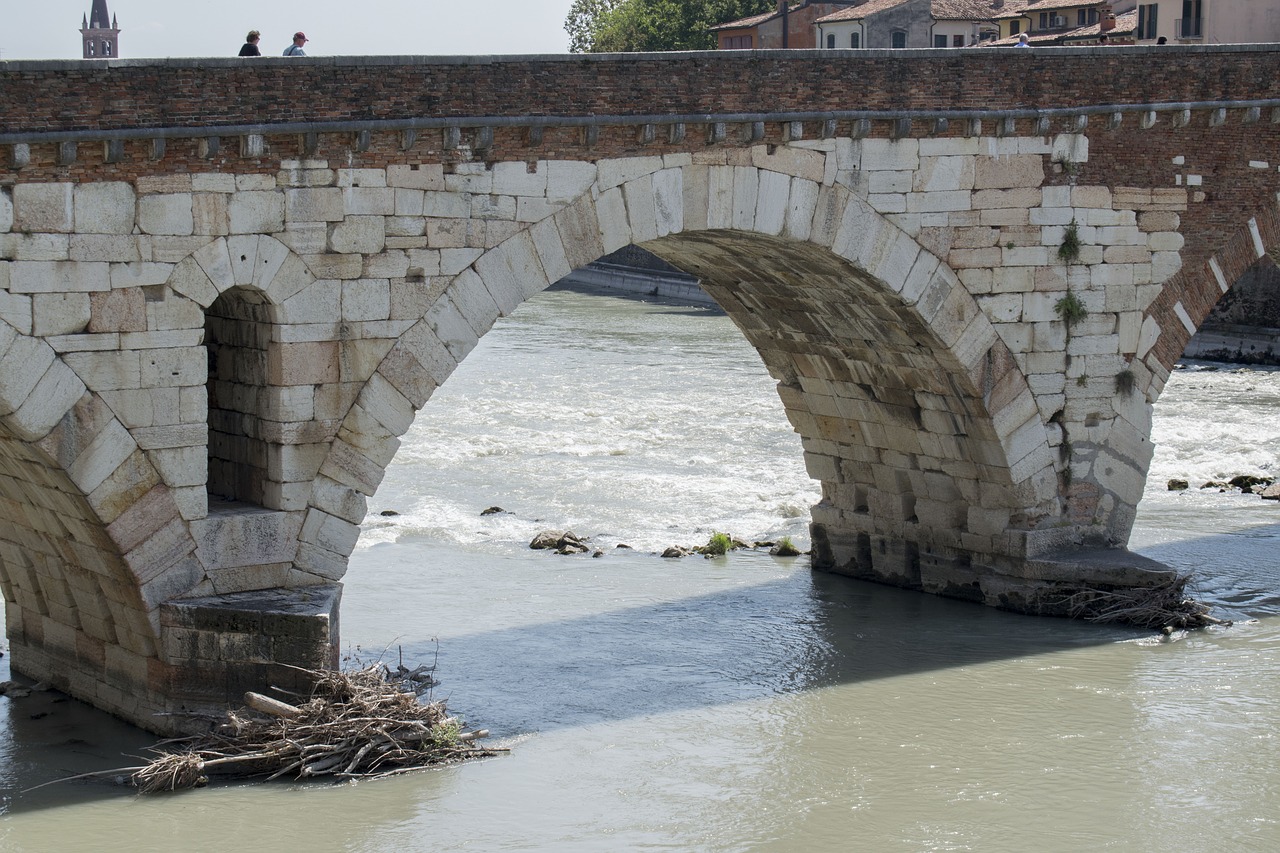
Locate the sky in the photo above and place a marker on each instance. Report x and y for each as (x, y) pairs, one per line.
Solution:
(50, 29)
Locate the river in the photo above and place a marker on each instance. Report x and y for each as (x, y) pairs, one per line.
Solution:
(737, 703)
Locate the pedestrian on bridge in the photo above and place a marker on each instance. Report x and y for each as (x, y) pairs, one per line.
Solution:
(250, 46)
(295, 49)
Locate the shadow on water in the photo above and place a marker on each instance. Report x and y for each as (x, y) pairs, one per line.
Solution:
(800, 632)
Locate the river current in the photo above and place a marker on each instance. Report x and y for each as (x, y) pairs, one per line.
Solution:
(740, 703)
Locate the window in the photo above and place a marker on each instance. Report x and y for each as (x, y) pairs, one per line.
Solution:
(855, 40)
(1147, 20)
(1190, 25)
(736, 43)
(90, 48)
(1015, 27)
(957, 41)
(106, 48)
(938, 41)
(899, 39)
(831, 40)
(1044, 20)
(1093, 16)
(1081, 17)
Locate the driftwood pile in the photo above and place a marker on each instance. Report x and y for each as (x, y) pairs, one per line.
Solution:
(1166, 607)
(362, 724)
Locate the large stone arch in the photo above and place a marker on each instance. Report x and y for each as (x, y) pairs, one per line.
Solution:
(965, 471)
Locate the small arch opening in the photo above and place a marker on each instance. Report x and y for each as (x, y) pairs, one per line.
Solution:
(237, 338)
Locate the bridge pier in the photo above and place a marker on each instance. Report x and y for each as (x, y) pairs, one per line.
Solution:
(212, 650)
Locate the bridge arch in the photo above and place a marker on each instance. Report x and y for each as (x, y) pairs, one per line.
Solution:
(915, 416)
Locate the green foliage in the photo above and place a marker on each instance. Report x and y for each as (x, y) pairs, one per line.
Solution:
(1069, 251)
(606, 26)
(1125, 382)
(1070, 309)
(718, 545)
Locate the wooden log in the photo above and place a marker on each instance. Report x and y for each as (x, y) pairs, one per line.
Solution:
(272, 707)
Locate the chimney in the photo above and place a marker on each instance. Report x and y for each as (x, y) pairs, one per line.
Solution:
(1107, 21)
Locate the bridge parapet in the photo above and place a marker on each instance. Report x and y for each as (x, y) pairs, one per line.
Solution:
(210, 348)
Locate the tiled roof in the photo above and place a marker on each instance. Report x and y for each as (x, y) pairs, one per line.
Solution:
(1126, 24)
(942, 10)
(862, 10)
(963, 10)
(754, 20)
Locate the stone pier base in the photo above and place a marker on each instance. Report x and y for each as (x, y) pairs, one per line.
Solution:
(211, 651)
(1038, 586)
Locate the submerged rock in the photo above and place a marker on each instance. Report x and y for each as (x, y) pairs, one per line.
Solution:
(784, 549)
(1176, 485)
(493, 510)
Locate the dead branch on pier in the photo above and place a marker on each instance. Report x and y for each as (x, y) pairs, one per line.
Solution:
(362, 724)
(1165, 606)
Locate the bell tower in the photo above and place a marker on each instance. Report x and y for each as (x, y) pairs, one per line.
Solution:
(100, 33)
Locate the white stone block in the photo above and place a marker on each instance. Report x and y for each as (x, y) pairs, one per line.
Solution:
(879, 183)
(792, 161)
(746, 190)
(519, 179)
(942, 174)
(369, 201)
(488, 207)
(425, 176)
(361, 178)
(452, 328)
(58, 276)
(313, 204)
(108, 207)
(318, 303)
(475, 304)
(364, 235)
(551, 251)
(772, 201)
(166, 213)
(615, 229)
(40, 247)
(937, 202)
(613, 173)
(53, 396)
(215, 260)
(59, 313)
(6, 211)
(469, 178)
(256, 212)
(640, 210)
(384, 403)
(26, 360)
(535, 209)
(894, 154)
(668, 201)
(720, 196)
(43, 207)
(108, 248)
(454, 261)
(409, 203)
(1070, 148)
(366, 299)
(568, 180)
(800, 209)
(447, 205)
(512, 273)
(14, 309)
(189, 279)
(105, 453)
(213, 182)
(291, 277)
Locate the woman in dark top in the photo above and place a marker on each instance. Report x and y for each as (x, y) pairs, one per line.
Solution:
(250, 47)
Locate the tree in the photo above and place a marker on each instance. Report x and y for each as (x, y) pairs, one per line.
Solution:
(602, 26)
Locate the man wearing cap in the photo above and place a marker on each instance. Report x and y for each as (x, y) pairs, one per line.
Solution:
(295, 49)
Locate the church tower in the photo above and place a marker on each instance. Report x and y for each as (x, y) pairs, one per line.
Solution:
(100, 33)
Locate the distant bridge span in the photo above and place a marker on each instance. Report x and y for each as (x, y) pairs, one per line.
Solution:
(226, 286)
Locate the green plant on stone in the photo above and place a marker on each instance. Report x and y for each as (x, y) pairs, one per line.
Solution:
(718, 545)
(1070, 310)
(1125, 382)
(1069, 251)
(1082, 380)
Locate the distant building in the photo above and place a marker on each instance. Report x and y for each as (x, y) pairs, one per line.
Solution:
(100, 34)
(1068, 22)
(1215, 22)
(909, 23)
(765, 32)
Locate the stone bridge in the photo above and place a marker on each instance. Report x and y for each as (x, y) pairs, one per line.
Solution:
(227, 286)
